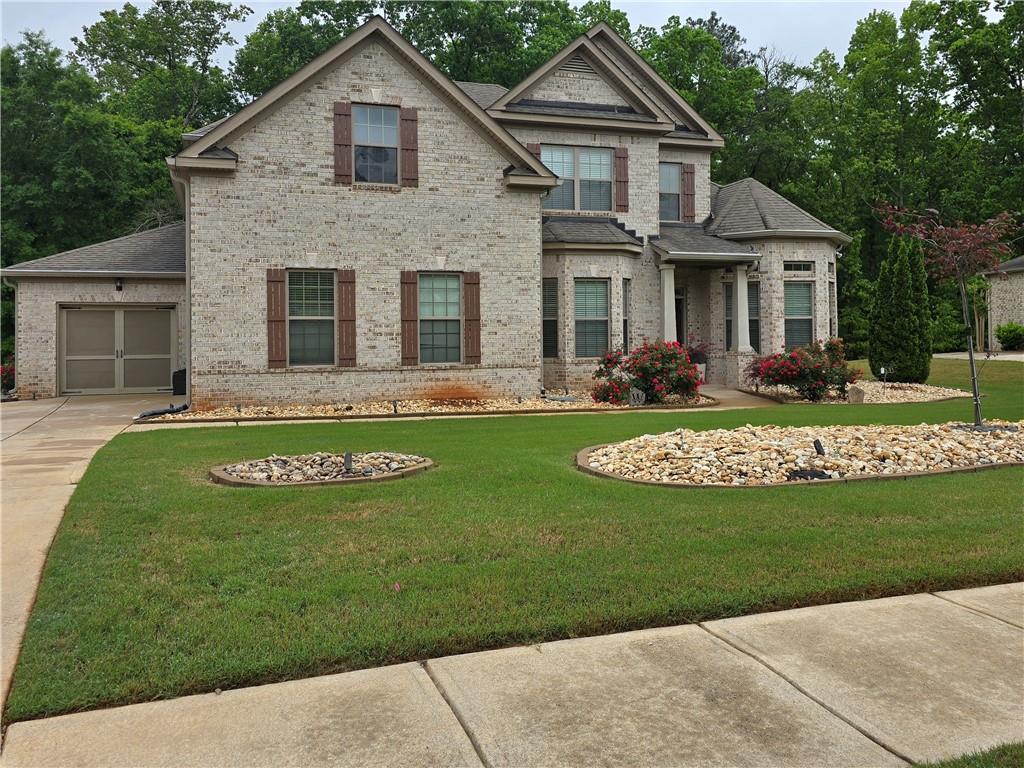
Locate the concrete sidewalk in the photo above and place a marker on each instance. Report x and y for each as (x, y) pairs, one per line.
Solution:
(46, 446)
(872, 683)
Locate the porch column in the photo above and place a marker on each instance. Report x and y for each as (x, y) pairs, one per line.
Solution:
(668, 301)
(741, 311)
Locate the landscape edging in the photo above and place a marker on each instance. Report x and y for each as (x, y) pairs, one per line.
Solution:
(218, 475)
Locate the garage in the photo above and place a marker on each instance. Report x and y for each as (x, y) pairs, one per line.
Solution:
(104, 319)
(112, 350)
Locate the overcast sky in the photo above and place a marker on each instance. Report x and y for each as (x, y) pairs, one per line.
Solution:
(798, 29)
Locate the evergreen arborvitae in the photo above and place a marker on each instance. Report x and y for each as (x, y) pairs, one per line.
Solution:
(922, 304)
(900, 321)
(880, 326)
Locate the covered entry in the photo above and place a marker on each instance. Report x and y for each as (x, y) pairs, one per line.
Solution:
(109, 350)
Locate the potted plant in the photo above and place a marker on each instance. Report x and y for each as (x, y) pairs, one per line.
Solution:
(698, 352)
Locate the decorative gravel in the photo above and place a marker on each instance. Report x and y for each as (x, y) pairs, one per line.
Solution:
(769, 455)
(319, 467)
(573, 401)
(875, 392)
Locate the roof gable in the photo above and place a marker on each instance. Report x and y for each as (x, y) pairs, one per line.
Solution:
(217, 135)
(583, 60)
(693, 122)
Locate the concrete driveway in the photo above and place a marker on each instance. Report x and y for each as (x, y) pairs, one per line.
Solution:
(45, 446)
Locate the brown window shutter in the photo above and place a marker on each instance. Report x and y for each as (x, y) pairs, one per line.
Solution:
(410, 318)
(342, 142)
(621, 179)
(689, 193)
(277, 318)
(345, 295)
(409, 142)
(534, 149)
(471, 316)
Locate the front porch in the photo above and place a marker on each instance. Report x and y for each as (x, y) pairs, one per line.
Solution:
(708, 299)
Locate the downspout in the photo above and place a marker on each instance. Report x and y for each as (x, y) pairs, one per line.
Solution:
(183, 191)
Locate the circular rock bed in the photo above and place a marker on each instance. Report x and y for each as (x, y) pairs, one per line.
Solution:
(872, 392)
(321, 469)
(770, 455)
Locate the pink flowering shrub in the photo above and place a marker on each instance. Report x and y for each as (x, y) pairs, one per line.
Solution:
(809, 371)
(6, 377)
(656, 368)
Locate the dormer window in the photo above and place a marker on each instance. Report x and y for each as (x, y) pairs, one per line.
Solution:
(375, 142)
(585, 176)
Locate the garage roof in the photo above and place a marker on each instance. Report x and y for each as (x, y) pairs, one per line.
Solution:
(158, 253)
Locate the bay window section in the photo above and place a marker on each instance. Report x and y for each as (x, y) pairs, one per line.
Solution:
(595, 179)
(799, 310)
(375, 144)
(591, 318)
(669, 191)
(440, 307)
(585, 178)
(561, 161)
(627, 299)
(310, 318)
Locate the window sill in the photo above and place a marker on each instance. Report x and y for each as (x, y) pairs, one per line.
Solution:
(366, 186)
(572, 212)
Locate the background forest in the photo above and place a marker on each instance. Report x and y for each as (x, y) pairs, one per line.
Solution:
(925, 110)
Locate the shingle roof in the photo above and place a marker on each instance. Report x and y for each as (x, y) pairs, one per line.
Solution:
(568, 109)
(690, 238)
(588, 231)
(748, 206)
(483, 94)
(159, 251)
(1013, 265)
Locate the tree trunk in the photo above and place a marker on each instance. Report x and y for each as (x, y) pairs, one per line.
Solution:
(970, 350)
(979, 329)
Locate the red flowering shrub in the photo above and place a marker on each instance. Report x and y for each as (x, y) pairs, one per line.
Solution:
(6, 377)
(656, 368)
(809, 371)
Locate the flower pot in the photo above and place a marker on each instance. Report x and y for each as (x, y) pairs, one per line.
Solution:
(702, 368)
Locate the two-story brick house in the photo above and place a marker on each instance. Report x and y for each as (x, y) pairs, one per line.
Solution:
(371, 229)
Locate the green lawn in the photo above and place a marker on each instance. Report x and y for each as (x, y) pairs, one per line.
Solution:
(160, 583)
(1008, 756)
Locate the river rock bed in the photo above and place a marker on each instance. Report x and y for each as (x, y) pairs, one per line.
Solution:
(578, 401)
(319, 467)
(768, 455)
(875, 392)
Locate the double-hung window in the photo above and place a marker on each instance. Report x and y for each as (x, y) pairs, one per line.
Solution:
(799, 309)
(585, 178)
(753, 313)
(669, 192)
(550, 317)
(440, 307)
(375, 144)
(591, 317)
(310, 318)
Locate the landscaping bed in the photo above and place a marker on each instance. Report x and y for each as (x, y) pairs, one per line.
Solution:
(874, 392)
(574, 401)
(771, 455)
(320, 469)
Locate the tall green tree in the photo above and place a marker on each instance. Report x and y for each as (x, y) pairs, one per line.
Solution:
(159, 64)
(900, 328)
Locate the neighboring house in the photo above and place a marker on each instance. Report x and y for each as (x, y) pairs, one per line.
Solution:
(370, 229)
(1005, 297)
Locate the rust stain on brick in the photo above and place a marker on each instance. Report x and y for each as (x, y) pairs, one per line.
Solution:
(452, 393)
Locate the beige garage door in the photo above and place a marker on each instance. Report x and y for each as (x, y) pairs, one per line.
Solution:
(109, 350)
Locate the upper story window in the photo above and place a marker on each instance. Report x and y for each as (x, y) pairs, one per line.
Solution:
(585, 175)
(669, 192)
(375, 143)
(798, 266)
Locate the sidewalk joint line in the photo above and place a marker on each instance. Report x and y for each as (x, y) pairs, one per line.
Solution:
(977, 611)
(44, 416)
(458, 715)
(747, 650)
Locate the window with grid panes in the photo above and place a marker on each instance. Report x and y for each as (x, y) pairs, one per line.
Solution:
(310, 317)
(591, 317)
(440, 308)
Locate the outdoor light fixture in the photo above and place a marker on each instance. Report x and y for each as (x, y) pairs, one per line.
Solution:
(118, 284)
(348, 461)
(394, 405)
(819, 447)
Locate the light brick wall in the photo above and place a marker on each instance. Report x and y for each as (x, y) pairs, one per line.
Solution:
(282, 209)
(583, 87)
(37, 302)
(1006, 302)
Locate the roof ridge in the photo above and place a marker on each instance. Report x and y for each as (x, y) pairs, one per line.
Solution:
(730, 203)
(22, 264)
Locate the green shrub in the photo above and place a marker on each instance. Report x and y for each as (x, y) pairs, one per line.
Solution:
(900, 339)
(1011, 336)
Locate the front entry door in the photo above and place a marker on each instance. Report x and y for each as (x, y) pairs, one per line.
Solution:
(107, 350)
